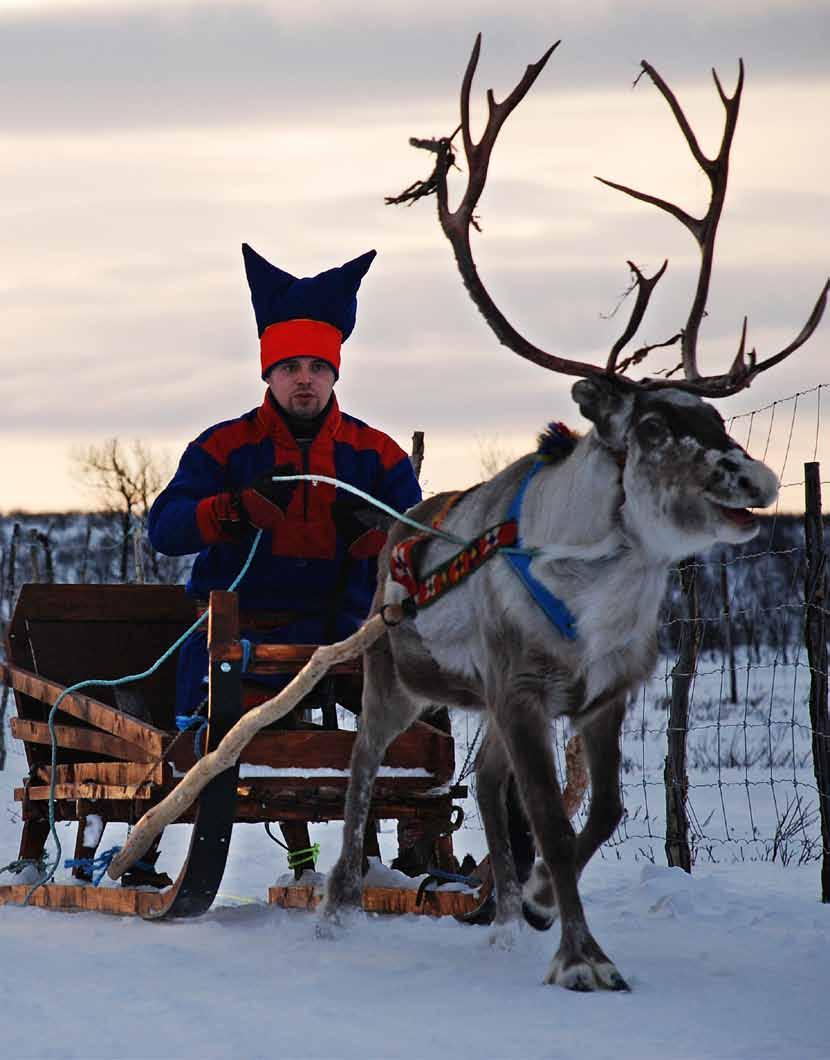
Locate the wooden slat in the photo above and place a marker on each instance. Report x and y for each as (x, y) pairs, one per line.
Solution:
(134, 604)
(421, 747)
(117, 773)
(282, 658)
(92, 711)
(383, 900)
(89, 790)
(120, 901)
(78, 739)
(384, 786)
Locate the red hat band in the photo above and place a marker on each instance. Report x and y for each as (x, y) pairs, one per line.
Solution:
(300, 338)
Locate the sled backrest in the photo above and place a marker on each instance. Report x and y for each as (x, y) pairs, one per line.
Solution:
(72, 633)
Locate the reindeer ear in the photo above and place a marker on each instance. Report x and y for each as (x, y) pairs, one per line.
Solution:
(606, 406)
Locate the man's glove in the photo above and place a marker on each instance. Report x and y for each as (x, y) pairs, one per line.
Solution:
(263, 503)
(361, 526)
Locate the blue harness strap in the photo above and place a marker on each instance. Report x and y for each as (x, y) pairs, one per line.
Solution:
(553, 607)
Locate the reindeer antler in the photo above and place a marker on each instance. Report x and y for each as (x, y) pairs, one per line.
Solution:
(745, 366)
(456, 225)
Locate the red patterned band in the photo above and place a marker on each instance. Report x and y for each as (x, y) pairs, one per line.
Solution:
(300, 338)
(455, 570)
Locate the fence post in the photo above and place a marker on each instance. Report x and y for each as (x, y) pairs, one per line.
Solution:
(678, 852)
(815, 635)
(727, 629)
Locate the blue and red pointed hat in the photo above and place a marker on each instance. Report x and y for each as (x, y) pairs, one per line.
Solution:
(309, 316)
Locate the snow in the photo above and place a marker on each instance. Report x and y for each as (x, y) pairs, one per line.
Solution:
(729, 963)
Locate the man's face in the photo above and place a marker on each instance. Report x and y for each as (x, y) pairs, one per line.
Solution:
(302, 385)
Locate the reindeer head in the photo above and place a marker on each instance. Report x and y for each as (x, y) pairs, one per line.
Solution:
(687, 484)
(686, 480)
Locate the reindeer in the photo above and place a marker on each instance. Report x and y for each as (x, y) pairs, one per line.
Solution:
(656, 479)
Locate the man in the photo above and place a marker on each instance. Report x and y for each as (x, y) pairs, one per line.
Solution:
(314, 570)
(313, 575)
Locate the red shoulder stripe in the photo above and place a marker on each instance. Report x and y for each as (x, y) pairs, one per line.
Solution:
(360, 437)
(231, 436)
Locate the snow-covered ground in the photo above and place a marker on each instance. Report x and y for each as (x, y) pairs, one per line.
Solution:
(729, 963)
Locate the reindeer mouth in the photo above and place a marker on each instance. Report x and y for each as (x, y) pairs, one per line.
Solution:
(742, 518)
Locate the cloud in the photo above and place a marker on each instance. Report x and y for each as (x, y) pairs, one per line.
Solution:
(150, 65)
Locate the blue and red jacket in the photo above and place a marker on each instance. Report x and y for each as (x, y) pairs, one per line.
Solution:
(303, 566)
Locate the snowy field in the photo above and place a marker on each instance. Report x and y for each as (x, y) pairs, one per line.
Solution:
(729, 963)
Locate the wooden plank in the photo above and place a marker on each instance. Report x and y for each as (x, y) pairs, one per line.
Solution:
(119, 901)
(393, 900)
(89, 790)
(282, 658)
(223, 624)
(334, 787)
(421, 747)
(145, 736)
(133, 604)
(118, 773)
(78, 739)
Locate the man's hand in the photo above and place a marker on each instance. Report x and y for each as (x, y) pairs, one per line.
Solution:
(362, 526)
(263, 503)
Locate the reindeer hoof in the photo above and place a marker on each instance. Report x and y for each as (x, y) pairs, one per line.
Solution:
(542, 918)
(585, 976)
(503, 936)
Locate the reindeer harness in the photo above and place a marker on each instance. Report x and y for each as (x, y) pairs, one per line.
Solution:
(555, 444)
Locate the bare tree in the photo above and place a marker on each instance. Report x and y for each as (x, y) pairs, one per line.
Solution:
(127, 479)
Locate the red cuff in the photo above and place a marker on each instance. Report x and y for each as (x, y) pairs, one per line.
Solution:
(216, 519)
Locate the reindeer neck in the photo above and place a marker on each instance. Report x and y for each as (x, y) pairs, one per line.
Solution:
(576, 502)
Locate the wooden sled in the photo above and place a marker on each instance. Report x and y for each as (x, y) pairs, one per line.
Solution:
(115, 765)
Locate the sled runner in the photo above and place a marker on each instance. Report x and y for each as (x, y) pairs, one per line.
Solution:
(119, 752)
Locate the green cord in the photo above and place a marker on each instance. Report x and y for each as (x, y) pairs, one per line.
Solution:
(306, 856)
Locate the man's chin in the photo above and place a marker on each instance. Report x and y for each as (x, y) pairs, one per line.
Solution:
(304, 410)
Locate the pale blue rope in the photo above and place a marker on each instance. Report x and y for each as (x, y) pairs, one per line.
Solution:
(49, 871)
(435, 531)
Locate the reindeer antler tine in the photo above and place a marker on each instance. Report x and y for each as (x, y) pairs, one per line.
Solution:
(810, 326)
(466, 86)
(645, 285)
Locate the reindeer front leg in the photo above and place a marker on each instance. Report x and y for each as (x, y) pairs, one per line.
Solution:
(601, 741)
(579, 963)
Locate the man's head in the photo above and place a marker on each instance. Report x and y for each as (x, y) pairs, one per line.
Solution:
(307, 316)
(301, 386)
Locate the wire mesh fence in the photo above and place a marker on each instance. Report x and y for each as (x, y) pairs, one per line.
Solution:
(751, 791)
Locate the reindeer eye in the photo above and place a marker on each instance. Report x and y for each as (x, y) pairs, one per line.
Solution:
(652, 431)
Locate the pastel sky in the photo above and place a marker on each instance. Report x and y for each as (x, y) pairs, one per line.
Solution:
(142, 142)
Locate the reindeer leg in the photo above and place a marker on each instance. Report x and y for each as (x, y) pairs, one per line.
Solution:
(493, 775)
(601, 740)
(579, 963)
(387, 711)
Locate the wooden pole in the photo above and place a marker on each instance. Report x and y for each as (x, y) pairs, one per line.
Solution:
(417, 457)
(815, 635)
(231, 746)
(727, 632)
(678, 852)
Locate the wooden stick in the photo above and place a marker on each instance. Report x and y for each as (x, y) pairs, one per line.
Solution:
(231, 746)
